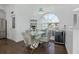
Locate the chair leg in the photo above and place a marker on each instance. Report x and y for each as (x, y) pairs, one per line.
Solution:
(32, 51)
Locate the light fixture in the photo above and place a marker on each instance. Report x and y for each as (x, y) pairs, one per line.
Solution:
(41, 11)
(12, 14)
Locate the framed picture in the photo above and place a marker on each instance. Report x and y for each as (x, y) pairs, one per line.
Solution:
(13, 19)
(13, 22)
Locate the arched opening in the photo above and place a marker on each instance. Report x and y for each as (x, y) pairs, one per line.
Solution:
(49, 20)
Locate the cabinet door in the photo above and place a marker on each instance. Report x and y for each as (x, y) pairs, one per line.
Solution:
(59, 37)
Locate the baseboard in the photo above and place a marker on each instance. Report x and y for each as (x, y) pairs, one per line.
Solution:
(67, 50)
(18, 41)
(15, 40)
(59, 43)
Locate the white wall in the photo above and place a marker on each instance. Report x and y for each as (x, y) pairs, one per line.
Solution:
(76, 35)
(11, 33)
(23, 16)
(2, 6)
(76, 41)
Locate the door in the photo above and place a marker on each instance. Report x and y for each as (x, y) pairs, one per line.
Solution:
(3, 28)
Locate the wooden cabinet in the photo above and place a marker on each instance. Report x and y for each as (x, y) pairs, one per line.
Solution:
(60, 37)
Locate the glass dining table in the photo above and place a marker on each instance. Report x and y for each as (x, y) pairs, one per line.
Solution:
(35, 37)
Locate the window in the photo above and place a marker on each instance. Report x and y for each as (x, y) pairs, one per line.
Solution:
(51, 18)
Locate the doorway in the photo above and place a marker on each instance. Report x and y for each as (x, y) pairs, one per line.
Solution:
(50, 22)
(3, 25)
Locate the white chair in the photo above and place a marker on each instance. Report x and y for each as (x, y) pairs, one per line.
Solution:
(27, 38)
(29, 41)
